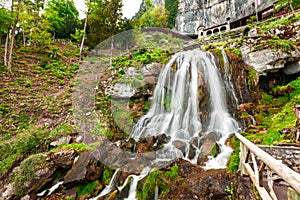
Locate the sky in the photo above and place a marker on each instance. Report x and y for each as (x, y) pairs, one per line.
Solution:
(130, 7)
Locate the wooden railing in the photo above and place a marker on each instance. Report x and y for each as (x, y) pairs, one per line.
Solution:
(253, 162)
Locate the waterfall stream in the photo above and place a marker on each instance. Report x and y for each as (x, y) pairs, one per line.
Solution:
(175, 106)
(175, 111)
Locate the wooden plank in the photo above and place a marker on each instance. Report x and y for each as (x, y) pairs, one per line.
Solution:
(261, 190)
(287, 174)
(270, 184)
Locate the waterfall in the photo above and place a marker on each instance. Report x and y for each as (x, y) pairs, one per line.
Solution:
(175, 106)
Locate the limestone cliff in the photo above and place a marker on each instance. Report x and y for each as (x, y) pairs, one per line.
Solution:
(192, 13)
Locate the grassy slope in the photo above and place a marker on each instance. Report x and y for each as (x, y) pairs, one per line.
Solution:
(35, 101)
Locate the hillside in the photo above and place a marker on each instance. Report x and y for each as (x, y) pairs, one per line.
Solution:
(44, 156)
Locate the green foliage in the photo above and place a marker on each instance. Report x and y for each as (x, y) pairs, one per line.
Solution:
(251, 79)
(79, 147)
(234, 159)
(172, 7)
(78, 35)
(154, 179)
(285, 45)
(104, 20)
(63, 17)
(153, 17)
(281, 4)
(5, 20)
(142, 57)
(173, 173)
(276, 119)
(26, 172)
(280, 22)
(106, 175)
(246, 31)
(87, 188)
(27, 142)
(252, 19)
(230, 190)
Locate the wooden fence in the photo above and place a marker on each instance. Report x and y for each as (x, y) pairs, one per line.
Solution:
(253, 162)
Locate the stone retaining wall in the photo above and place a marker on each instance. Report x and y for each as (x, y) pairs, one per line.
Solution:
(290, 156)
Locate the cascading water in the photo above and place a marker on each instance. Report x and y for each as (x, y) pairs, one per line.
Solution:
(175, 107)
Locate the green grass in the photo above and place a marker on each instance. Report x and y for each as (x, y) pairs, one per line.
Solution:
(280, 115)
(280, 22)
(88, 188)
(31, 141)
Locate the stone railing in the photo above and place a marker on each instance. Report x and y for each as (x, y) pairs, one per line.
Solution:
(255, 162)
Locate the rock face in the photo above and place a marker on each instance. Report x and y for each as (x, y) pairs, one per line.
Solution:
(269, 60)
(192, 13)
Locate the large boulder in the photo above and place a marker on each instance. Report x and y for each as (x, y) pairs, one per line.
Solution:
(269, 60)
(86, 168)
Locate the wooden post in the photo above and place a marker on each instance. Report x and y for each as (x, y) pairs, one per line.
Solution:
(261, 173)
(243, 156)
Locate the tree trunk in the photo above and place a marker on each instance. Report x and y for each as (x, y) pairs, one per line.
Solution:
(13, 34)
(24, 38)
(291, 6)
(6, 47)
(83, 37)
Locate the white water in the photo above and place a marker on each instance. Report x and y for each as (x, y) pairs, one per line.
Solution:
(52, 189)
(109, 187)
(134, 181)
(174, 110)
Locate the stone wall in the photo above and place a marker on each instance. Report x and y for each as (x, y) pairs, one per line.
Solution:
(290, 156)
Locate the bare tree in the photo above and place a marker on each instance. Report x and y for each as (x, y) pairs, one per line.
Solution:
(13, 34)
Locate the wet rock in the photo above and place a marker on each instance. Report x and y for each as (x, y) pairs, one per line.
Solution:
(63, 140)
(162, 139)
(179, 145)
(64, 159)
(202, 159)
(292, 68)
(192, 151)
(186, 168)
(128, 145)
(72, 193)
(195, 141)
(209, 142)
(87, 168)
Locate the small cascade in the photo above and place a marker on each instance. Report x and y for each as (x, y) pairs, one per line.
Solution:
(134, 181)
(175, 108)
(109, 187)
(51, 190)
(227, 78)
